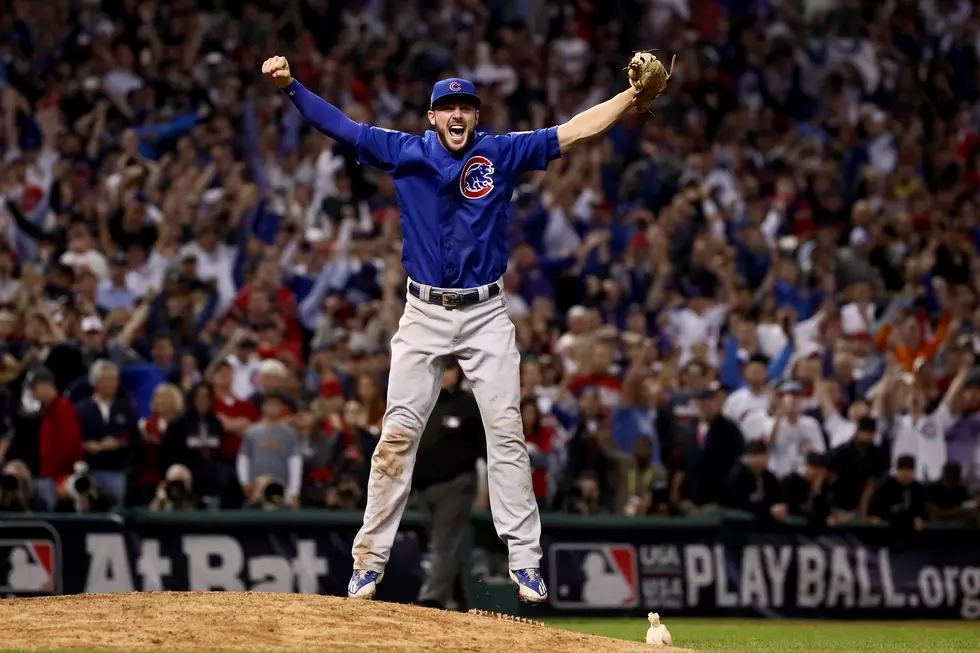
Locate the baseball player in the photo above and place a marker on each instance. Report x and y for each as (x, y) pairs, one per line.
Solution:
(454, 186)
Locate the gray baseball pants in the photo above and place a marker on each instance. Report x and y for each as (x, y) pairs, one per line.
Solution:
(481, 337)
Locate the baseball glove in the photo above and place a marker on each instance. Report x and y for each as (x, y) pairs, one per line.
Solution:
(648, 76)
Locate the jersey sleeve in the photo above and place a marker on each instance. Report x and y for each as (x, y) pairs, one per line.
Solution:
(944, 418)
(730, 409)
(531, 150)
(837, 430)
(676, 321)
(381, 148)
(904, 443)
(756, 426)
(815, 437)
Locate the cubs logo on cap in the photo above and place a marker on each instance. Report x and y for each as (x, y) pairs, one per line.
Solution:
(476, 180)
(455, 87)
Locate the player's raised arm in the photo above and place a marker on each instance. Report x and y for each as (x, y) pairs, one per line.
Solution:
(373, 146)
(324, 116)
(593, 122)
(648, 79)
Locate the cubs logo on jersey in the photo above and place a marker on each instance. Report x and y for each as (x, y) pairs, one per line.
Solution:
(29, 560)
(476, 181)
(594, 576)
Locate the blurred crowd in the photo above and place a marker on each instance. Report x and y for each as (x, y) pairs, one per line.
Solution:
(762, 296)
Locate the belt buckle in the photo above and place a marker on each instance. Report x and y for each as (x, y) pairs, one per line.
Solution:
(451, 300)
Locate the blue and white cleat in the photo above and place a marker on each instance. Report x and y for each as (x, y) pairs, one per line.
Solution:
(363, 584)
(530, 585)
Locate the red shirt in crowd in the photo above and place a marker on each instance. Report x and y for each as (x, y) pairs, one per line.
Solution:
(61, 439)
(541, 440)
(152, 429)
(232, 407)
(284, 305)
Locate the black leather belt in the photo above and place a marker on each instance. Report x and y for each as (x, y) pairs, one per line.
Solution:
(451, 299)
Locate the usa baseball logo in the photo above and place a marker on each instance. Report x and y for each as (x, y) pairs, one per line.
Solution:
(455, 86)
(594, 576)
(477, 178)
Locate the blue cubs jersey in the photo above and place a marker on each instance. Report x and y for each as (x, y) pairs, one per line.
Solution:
(454, 211)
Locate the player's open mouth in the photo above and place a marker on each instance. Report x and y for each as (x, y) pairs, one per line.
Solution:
(457, 131)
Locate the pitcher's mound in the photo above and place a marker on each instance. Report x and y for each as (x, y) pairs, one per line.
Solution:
(200, 621)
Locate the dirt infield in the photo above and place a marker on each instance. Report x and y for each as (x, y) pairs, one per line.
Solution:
(231, 621)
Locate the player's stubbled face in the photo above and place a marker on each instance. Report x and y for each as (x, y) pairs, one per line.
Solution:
(455, 123)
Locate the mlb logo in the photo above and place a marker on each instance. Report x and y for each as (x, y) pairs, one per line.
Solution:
(30, 561)
(594, 576)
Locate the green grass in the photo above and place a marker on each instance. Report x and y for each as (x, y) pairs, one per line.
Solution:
(772, 636)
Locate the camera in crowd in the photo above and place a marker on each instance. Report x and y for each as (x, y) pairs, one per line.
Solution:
(80, 485)
(14, 495)
(583, 496)
(274, 493)
(269, 494)
(176, 491)
(83, 493)
(346, 494)
(8, 482)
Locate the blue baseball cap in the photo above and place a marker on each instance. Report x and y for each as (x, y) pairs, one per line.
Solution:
(454, 87)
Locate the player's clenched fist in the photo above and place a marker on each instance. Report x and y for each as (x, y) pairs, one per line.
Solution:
(277, 69)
